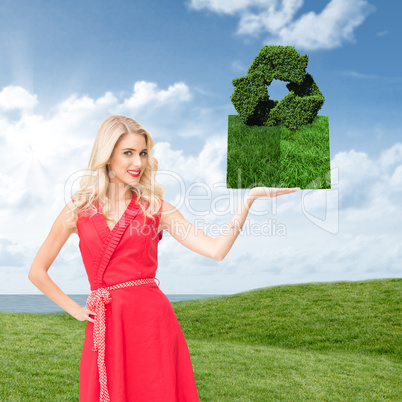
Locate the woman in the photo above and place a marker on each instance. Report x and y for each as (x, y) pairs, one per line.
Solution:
(134, 349)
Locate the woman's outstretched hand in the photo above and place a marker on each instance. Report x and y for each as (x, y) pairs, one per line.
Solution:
(271, 192)
(83, 313)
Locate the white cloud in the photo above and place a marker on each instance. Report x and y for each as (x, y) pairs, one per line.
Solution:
(328, 29)
(146, 93)
(227, 6)
(39, 147)
(362, 76)
(391, 156)
(207, 167)
(238, 66)
(382, 33)
(396, 179)
(272, 18)
(11, 253)
(350, 175)
(86, 104)
(15, 97)
(40, 152)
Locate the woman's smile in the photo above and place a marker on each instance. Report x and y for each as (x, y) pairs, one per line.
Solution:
(134, 173)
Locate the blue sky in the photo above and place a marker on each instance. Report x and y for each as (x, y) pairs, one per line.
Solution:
(169, 64)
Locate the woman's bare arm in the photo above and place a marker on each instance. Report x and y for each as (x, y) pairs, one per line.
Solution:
(45, 257)
(196, 240)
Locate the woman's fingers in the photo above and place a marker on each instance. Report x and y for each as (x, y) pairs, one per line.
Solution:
(271, 191)
(89, 312)
(90, 319)
(288, 190)
(84, 314)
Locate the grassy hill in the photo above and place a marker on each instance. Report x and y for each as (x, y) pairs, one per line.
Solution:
(315, 341)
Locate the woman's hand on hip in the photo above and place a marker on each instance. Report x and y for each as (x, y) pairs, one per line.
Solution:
(83, 314)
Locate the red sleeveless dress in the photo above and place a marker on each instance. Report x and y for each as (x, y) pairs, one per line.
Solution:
(146, 356)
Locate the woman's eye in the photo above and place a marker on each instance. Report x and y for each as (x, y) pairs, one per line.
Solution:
(129, 153)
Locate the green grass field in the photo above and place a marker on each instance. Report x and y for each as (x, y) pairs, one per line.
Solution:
(277, 156)
(337, 341)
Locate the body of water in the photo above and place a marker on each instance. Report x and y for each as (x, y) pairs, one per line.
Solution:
(42, 304)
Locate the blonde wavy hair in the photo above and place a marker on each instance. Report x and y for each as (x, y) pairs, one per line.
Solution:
(95, 182)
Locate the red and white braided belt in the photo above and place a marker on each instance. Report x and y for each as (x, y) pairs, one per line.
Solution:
(96, 302)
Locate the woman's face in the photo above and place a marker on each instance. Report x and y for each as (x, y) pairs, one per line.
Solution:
(129, 160)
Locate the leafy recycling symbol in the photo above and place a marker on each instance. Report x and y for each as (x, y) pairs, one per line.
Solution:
(300, 105)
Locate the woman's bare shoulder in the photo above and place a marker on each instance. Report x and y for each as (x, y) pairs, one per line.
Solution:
(66, 210)
(167, 208)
